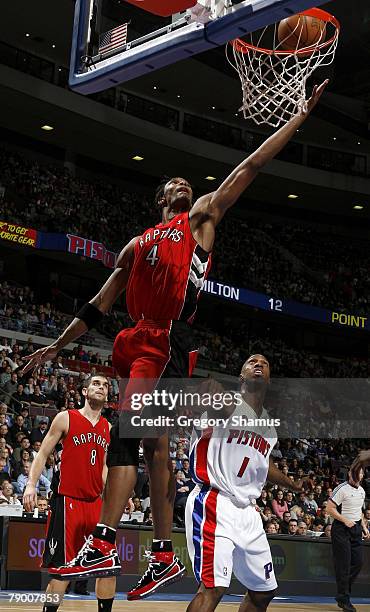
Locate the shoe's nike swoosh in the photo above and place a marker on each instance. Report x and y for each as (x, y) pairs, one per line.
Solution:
(159, 575)
(85, 563)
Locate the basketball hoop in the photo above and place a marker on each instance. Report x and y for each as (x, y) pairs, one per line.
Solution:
(274, 79)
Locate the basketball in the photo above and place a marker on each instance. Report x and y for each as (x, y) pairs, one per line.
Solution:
(300, 31)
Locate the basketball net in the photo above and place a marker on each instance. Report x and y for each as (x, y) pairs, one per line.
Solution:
(274, 80)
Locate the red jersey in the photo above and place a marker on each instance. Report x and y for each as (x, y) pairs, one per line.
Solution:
(168, 273)
(79, 466)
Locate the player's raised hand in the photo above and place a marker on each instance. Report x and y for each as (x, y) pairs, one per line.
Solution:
(317, 92)
(29, 497)
(39, 357)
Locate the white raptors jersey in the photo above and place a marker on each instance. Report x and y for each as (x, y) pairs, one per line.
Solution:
(234, 458)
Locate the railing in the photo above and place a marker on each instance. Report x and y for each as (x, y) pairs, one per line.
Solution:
(174, 119)
(39, 329)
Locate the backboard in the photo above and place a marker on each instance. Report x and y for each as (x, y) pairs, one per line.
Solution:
(101, 59)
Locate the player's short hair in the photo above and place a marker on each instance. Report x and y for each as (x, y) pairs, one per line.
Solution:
(159, 192)
(89, 378)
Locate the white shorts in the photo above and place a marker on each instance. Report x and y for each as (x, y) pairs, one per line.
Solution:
(223, 538)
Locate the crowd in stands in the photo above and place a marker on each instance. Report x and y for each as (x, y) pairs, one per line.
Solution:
(28, 404)
(49, 198)
(22, 310)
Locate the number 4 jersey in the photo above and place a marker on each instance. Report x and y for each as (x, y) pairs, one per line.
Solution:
(234, 456)
(80, 458)
(168, 273)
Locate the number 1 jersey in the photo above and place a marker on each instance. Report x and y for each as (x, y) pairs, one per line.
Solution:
(78, 469)
(168, 273)
(234, 456)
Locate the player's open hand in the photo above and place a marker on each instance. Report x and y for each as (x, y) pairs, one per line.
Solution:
(39, 357)
(317, 92)
(29, 497)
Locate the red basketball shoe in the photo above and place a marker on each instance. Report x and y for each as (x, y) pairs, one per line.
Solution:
(96, 558)
(164, 568)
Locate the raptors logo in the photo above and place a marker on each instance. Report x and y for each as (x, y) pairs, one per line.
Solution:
(52, 546)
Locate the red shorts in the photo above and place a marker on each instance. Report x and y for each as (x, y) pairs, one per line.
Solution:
(70, 522)
(153, 350)
(143, 355)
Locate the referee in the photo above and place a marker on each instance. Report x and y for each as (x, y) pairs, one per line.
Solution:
(345, 506)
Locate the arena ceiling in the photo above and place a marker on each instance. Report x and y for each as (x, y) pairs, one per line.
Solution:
(202, 82)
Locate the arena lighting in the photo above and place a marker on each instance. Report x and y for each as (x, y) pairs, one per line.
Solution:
(47, 128)
(210, 178)
(138, 158)
(358, 207)
(293, 196)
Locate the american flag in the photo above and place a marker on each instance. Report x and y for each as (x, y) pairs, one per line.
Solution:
(113, 39)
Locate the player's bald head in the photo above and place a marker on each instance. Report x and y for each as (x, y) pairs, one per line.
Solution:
(256, 368)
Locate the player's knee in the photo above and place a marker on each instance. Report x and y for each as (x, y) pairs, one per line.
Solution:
(261, 599)
(155, 451)
(213, 595)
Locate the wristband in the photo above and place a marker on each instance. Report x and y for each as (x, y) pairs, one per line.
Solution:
(90, 315)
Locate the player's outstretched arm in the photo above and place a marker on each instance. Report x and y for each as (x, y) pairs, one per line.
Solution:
(102, 302)
(275, 476)
(215, 205)
(58, 429)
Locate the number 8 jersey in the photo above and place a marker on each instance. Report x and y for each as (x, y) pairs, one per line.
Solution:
(168, 272)
(80, 458)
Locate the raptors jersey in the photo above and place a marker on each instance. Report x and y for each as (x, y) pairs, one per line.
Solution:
(234, 458)
(80, 458)
(167, 274)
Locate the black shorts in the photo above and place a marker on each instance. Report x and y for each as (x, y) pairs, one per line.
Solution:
(150, 351)
(70, 522)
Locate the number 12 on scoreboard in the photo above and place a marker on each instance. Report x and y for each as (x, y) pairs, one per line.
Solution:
(276, 304)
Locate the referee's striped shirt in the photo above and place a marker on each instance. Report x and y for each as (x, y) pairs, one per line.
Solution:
(351, 499)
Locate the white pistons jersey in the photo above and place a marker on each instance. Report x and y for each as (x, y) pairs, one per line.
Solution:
(233, 457)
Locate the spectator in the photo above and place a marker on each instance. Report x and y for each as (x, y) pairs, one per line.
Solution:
(23, 477)
(271, 528)
(37, 398)
(19, 399)
(38, 433)
(293, 527)
(25, 413)
(148, 519)
(327, 532)
(7, 494)
(279, 505)
(35, 447)
(309, 505)
(284, 525)
(18, 427)
(10, 387)
(48, 470)
(302, 528)
(42, 504)
(5, 433)
(24, 445)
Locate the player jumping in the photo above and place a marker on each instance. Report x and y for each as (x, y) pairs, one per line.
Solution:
(162, 271)
(224, 530)
(81, 439)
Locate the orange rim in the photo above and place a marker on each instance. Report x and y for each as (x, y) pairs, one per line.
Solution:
(243, 47)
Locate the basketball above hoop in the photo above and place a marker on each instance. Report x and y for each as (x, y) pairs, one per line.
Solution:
(301, 31)
(274, 64)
